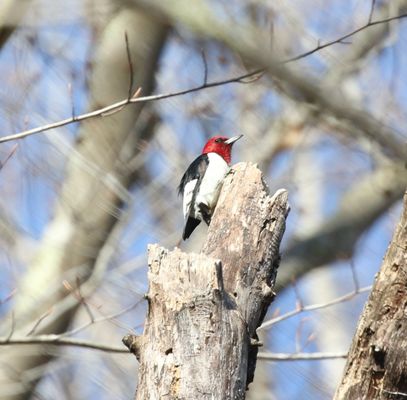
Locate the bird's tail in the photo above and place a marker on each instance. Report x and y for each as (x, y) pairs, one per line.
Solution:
(190, 226)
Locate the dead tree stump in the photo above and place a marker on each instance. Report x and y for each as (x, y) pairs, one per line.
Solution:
(199, 340)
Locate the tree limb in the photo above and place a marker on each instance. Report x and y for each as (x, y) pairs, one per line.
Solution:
(338, 234)
(248, 42)
(377, 358)
(87, 208)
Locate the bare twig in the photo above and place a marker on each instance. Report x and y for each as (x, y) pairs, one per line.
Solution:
(205, 64)
(12, 327)
(118, 106)
(312, 307)
(8, 297)
(298, 303)
(9, 155)
(77, 293)
(102, 319)
(299, 356)
(354, 276)
(58, 341)
(342, 38)
(131, 69)
(298, 335)
(398, 394)
(70, 91)
(371, 11)
(39, 320)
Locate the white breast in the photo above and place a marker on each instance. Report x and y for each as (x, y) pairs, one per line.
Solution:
(212, 181)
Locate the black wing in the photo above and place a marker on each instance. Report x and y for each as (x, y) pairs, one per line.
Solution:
(196, 170)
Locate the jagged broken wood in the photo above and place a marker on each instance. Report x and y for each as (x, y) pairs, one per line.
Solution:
(199, 340)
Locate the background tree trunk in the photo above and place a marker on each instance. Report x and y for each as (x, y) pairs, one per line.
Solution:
(91, 196)
(79, 204)
(200, 337)
(377, 361)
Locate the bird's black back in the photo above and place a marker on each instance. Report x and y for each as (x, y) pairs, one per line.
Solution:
(195, 170)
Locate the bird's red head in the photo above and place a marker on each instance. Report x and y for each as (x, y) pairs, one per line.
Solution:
(221, 145)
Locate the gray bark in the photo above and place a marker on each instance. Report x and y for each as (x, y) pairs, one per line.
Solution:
(200, 339)
(377, 363)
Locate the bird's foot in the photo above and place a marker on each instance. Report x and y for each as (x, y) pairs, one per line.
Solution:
(205, 212)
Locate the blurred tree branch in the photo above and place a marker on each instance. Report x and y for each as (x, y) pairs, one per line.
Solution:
(58, 340)
(120, 105)
(248, 42)
(337, 236)
(376, 364)
(341, 39)
(137, 193)
(136, 98)
(73, 242)
(11, 13)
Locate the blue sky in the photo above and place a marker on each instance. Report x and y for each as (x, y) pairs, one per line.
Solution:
(36, 80)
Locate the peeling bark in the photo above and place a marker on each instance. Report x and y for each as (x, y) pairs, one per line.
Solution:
(200, 339)
(377, 361)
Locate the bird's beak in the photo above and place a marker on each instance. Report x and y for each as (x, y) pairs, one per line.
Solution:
(233, 139)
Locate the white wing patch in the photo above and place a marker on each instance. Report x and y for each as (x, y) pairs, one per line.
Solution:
(188, 193)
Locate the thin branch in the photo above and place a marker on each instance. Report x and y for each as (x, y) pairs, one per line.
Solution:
(205, 64)
(398, 394)
(313, 307)
(101, 319)
(371, 11)
(8, 297)
(58, 341)
(299, 303)
(40, 319)
(130, 62)
(116, 107)
(348, 35)
(70, 91)
(3, 163)
(12, 326)
(299, 356)
(77, 293)
(354, 275)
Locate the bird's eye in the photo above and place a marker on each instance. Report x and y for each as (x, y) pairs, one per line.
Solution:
(218, 140)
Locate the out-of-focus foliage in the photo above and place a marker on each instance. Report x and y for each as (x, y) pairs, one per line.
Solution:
(344, 190)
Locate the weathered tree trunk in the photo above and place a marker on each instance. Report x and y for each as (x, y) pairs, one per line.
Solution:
(377, 361)
(200, 339)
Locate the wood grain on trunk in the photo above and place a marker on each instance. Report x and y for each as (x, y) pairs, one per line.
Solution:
(377, 363)
(200, 339)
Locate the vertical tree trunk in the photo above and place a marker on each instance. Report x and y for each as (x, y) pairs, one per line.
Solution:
(377, 361)
(200, 339)
(91, 195)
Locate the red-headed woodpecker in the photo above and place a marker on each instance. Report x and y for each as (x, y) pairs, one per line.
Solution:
(202, 181)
